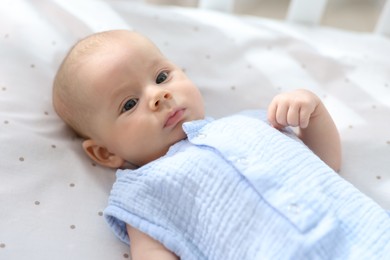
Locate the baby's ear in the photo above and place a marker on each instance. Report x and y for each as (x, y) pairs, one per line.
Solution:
(101, 155)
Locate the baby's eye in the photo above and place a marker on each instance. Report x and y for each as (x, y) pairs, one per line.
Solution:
(162, 77)
(130, 104)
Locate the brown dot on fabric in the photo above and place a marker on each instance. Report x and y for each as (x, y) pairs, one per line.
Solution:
(53, 146)
(378, 177)
(21, 159)
(72, 227)
(126, 256)
(2, 245)
(3, 88)
(46, 113)
(6, 122)
(100, 213)
(72, 185)
(93, 164)
(37, 202)
(388, 142)
(233, 87)
(32, 66)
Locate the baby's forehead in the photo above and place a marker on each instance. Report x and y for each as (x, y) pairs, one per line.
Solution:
(113, 50)
(129, 42)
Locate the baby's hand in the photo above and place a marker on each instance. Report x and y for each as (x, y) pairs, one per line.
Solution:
(317, 130)
(294, 108)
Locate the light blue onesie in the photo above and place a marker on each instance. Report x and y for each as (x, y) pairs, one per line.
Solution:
(239, 189)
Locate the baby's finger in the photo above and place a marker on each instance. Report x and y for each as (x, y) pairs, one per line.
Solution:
(271, 113)
(293, 116)
(281, 115)
(272, 108)
(305, 115)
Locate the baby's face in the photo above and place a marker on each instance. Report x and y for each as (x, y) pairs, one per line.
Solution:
(140, 99)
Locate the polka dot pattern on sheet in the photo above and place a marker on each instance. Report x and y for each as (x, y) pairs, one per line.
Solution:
(42, 141)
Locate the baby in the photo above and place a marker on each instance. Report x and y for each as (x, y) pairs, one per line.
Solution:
(192, 187)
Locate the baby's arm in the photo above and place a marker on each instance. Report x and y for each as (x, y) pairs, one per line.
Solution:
(303, 109)
(146, 248)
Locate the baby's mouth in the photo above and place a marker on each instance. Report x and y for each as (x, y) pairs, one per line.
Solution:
(174, 117)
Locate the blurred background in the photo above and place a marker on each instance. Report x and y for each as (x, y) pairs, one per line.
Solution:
(356, 15)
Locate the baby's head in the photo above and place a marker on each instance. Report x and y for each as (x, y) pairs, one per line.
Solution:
(127, 101)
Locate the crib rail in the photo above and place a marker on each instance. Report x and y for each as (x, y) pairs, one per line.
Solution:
(219, 5)
(383, 24)
(304, 11)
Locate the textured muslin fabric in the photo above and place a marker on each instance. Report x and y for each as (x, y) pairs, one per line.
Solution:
(239, 189)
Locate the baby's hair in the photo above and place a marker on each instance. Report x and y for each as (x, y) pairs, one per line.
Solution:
(69, 98)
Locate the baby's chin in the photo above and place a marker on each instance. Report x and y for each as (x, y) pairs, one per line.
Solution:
(157, 153)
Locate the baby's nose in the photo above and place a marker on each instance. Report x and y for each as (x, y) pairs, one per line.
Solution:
(159, 99)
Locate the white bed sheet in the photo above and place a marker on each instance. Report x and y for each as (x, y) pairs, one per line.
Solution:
(52, 196)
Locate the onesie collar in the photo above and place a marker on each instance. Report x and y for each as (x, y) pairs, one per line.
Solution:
(192, 128)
